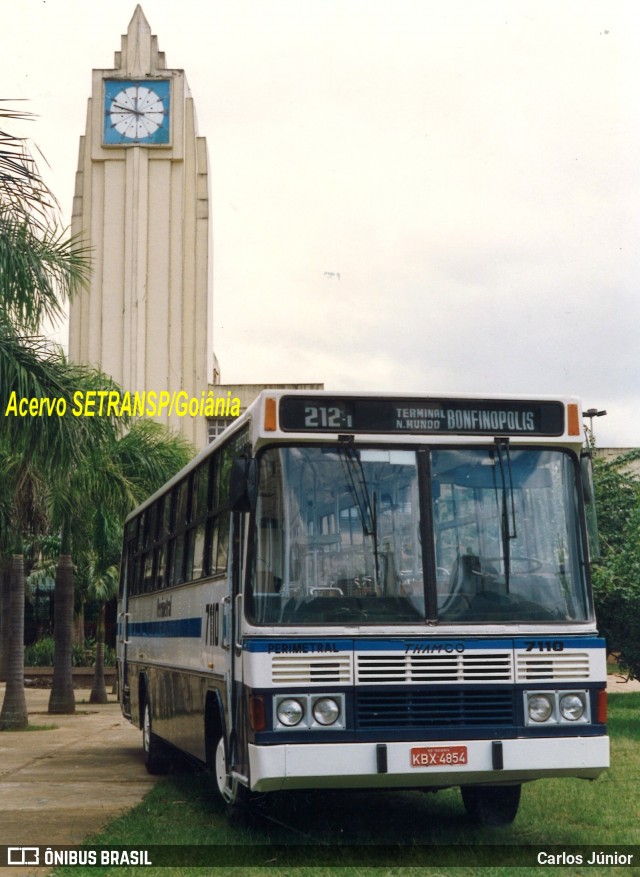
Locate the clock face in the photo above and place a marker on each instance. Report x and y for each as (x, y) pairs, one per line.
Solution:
(136, 112)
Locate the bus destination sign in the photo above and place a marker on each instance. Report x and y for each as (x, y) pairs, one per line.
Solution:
(421, 416)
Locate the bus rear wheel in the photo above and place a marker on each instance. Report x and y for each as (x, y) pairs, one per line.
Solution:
(491, 805)
(156, 758)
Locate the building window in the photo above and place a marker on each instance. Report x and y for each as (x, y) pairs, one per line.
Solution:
(218, 426)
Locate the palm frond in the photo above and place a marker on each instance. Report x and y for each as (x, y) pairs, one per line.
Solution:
(39, 265)
(39, 270)
(32, 368)
(21, 185)
(114, 476)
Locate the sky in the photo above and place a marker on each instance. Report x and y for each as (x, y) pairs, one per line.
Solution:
(407, 195)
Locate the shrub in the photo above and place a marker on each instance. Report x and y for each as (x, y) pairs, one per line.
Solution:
(40, 654)
(619, 621)
(81, 656)
(616, 577)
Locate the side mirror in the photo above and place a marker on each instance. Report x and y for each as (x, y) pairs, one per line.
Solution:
(589, 493)
(243, 485)
(586, 474)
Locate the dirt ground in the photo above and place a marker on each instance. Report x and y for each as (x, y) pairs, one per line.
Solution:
(62, 785)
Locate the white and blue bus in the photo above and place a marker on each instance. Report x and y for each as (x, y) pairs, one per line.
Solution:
(371, 591)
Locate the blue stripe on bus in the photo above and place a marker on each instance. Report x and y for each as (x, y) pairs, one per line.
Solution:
(177, 627)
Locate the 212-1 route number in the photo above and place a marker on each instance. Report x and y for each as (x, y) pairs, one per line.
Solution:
(438, 756)
(323, 417)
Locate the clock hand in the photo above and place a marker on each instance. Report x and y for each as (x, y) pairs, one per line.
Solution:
(124, 109)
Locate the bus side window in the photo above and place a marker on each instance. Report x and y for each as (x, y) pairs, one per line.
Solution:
(161, 554)
(217, 543)
(147, 548)
(216, 534)
(223, 542)
(195, 536)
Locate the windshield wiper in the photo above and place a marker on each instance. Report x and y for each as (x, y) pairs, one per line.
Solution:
(508, 522)
(367, 510)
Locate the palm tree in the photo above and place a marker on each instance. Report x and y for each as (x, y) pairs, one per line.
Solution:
(14, 715)
(4, 630)
(103, 588)
(24, 512)
(115, 475)
(38, 269)
(73, 497)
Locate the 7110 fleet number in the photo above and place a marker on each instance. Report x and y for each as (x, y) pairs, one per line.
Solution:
(544, 645)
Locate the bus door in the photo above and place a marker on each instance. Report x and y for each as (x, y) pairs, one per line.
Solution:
(242, 500)
(122, 640)
(236, 706)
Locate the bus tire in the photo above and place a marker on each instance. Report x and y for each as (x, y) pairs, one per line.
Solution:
(491, 805)
(233, 793)
(156, 758)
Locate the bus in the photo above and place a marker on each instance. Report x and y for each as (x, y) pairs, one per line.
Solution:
(361, 591)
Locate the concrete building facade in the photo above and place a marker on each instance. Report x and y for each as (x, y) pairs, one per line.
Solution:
(141, 205)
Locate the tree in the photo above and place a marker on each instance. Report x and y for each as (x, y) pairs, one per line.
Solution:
(71, 502)
(38, 270)
(14, 713)
(115, 475)
(25, 511)
(103, 589)
(616, 576)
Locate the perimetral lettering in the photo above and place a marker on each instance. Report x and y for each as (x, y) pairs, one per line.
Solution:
(301, 648)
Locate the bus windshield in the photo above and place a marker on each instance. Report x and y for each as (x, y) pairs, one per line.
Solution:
(339, 534)
(507, 539)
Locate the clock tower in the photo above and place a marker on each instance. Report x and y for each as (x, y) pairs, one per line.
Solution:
(141, 206)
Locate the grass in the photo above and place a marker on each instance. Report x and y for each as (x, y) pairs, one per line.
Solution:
(342, 829)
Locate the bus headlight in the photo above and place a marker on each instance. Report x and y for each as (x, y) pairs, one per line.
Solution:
(311, 712)
(326, 711)
(540, 707)
(556, 707)
(572, 707)
(290, 712)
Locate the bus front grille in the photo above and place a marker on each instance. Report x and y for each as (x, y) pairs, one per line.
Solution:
(562, 666)
(311, 669)
(467, 667)
(430, 709)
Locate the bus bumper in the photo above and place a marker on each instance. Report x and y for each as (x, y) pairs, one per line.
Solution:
(360, 765)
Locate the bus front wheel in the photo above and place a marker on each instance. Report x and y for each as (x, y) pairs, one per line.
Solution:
(491, 805)
(231, 791)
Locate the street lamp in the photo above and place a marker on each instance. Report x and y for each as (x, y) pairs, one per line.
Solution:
(591, 413)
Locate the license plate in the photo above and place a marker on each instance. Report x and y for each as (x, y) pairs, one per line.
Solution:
(438, 756)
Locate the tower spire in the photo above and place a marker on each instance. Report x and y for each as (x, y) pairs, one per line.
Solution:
(139, 56)
(138, 50)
